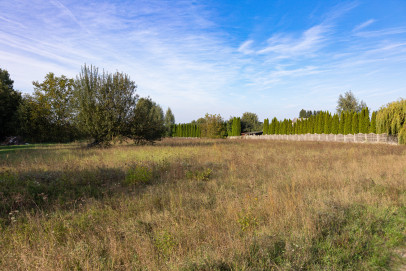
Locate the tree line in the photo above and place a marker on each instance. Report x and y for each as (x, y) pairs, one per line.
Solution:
(100, 106)
(103, 106)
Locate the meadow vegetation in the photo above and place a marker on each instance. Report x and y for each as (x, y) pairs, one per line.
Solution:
(203, 204)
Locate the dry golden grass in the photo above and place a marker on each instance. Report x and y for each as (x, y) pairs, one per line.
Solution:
(203, 205)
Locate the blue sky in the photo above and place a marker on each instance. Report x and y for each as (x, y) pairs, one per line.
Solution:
(272, 58)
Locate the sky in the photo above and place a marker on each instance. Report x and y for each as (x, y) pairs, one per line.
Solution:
(269, 57)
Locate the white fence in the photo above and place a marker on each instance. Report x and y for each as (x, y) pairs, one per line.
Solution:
(364, 138)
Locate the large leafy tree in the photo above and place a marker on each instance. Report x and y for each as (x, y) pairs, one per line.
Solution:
(349, 102)
(56, 94)
(48, 115)
(146, 123)
(9, 103)
(250, 122)
(105, 103)
(213, 126)
(34, 121)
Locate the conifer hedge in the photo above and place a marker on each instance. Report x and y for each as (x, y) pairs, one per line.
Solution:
(323, 123)
(185, 130)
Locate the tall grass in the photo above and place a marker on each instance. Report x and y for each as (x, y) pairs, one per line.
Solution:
(203, 205)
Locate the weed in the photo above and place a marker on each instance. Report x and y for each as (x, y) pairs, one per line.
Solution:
(199, 175)
(164, 243)
(247, 221)
(138, 175)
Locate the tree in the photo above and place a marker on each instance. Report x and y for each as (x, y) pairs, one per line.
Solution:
(169, 121)
(266, 127)
(250, 123)
(9, 103)
(236, 127)
(147, 122)
(229, 126)
(327, 123)
(213, 126)
(54, 102)
(341, 123)
(364, 120)
(105, 103)
(391, 118)
(33, 120)
(335, 124)
(372, 127)
(349, 102)
(302, 113)
(348, 123)
(355, 123)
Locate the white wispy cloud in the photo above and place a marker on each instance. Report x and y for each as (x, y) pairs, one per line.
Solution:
(363, 25)
(382, 32)
(310, 41)
(245, 47)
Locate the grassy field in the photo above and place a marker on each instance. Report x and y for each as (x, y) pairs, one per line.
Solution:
(203, 205)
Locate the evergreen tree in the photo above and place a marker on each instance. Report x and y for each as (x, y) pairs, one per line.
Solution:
(265, 128)
(169, 121)
(341, 125)
(364, 121)
(277, 127)
(236, 127)
(273, 126)
(372, 128)
(335, 124)
(173, 130)
(348, 123)
(327, 123)
(355, 123)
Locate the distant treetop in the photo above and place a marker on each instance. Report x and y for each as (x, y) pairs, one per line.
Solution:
(349, 102)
